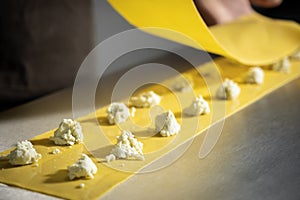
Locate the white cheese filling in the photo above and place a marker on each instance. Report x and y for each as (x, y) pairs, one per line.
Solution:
(24, 154)
(145, 100)
(166, 124)
(282, 65)
(117, 113)
(127, 146)
(68, 133)
(255, 75)
(183, 84)
(296, 55)
(84, 167)
(228, 90)
(198, 107)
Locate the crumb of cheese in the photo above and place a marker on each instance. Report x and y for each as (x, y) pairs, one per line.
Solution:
(166, 124)
(132, 111)
(68, 133)
(55, 151)
(24, 154)
(84, 167)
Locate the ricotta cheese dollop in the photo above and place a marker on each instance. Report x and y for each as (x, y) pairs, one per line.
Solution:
(183, 84)
(255, 75)
(198, 107)
(228, 90)
(282, 65)
(296, 55)
(127, 147)
(145, 100)
(24, 154)
(117, 113)
(166, 124)
(84, 167)
(68, 133)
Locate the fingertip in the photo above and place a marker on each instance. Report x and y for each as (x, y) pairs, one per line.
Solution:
(266, 3)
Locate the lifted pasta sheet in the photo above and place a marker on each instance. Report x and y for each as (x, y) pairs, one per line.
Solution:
(251, 40)
(51, 175)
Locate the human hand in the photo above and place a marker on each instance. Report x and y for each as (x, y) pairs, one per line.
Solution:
(222, 11)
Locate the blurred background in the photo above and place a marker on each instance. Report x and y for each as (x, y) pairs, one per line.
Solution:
(43, 43)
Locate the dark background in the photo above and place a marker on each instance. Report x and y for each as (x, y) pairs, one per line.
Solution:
(43, 43)
(288, 9)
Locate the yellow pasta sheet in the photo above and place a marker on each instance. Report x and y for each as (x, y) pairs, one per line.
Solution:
(51, 175)
(251, 40)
